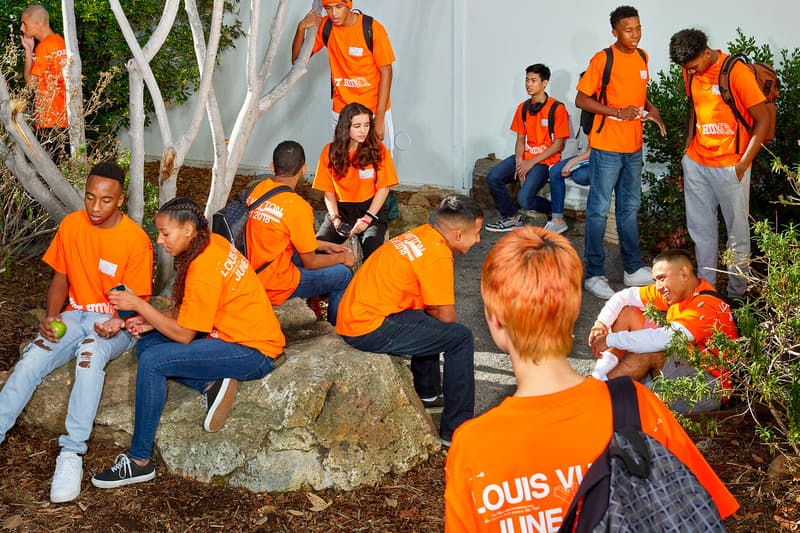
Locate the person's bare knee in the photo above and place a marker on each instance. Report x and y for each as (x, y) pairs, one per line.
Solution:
(629, 319)
(638, 365)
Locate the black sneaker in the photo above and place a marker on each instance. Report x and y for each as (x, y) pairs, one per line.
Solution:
(124, 472)
(219, 402)
(435, 405)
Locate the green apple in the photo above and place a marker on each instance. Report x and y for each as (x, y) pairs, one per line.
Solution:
(59, 326)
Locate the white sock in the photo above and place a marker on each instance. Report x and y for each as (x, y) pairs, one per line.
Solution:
(605, 365)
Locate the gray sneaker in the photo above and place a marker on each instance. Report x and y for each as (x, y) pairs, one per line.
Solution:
(556, 227)
(505, 224)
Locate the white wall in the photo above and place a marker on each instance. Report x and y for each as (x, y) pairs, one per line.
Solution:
(459, 72)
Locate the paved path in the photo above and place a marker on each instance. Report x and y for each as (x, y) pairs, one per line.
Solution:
(493, 374)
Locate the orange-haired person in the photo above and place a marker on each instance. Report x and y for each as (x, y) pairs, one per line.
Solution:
(521, 462)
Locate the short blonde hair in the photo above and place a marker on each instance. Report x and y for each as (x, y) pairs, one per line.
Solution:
(531, 282)
(37, 12)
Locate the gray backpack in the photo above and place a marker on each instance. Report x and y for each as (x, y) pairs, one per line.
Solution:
(637, 484)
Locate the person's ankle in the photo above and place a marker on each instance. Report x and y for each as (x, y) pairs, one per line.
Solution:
(141, 463)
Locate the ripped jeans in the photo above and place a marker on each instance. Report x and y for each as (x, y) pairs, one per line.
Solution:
(41, 357)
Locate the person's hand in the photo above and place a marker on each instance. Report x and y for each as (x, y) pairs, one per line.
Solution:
(360, 226)
(523, 167)
(313, 18)
(109, 328)
(331, 247)
(46, 330)
(380, 127)
(28, 44)
(655, 117)
(124, 300)
(740, 170)
(136, 325)
(598, 329)
(599, 345)
(629, 113)
(347, 257)
(566, 170)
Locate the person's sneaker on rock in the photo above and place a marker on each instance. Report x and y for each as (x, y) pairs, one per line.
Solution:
(219, 402)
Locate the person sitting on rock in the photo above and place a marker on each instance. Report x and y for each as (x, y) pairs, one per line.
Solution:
(539, 145)
(281, 244)
(693, 308)
(402, 302)
(541, 440)
(223, 329)
(93, 251)
(355, 172)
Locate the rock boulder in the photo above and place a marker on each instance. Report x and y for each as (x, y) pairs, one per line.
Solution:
(331, 416)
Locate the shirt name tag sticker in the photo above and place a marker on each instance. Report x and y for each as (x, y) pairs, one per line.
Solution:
(715, 89)
(109, 269)
(356, 51)
(366, 173)
(643, 74)
(544, 122)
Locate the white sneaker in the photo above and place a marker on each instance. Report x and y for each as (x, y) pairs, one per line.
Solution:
(643, 276)
(605, 365)
(598, 286)
(556, 227)
(66, 485)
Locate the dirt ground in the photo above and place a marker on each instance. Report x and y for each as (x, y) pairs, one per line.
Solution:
(412, 502)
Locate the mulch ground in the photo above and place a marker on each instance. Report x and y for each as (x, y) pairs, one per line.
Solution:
(412, 502)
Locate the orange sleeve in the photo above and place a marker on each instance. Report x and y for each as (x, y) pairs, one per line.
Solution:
(323, 180)
(659, 422)
(516, 122)
(299, 218)
(745, 89)
(561, 127)
(381, 47)
(589, 84)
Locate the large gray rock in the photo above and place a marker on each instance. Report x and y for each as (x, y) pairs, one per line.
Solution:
(331, 416)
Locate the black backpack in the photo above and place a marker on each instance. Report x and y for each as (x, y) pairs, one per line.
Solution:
(231, 220)
(637, 484)
(587, 117)
(366, 28)
(530, 107)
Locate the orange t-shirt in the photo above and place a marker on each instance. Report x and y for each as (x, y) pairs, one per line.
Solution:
(223, 297)
(714, 142)
(50, 56)
(537, 131)
(275, 229)
(95, 260)
(411, 271)
(359, 184)
(627, 86)
(354, 69)
(522, 461)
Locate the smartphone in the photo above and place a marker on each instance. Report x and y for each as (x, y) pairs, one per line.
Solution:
(344, 229)
(123, 314)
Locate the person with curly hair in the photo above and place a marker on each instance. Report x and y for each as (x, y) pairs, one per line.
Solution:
(355, 172)
(222, 329)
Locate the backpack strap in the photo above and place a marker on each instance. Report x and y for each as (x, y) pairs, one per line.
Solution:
(551, 118)
(724, 84)
(263, 198)
(624, 403)
(691, 120)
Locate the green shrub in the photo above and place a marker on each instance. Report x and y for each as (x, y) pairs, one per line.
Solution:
(663, 215)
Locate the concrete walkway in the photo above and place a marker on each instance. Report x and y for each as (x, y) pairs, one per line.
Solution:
(493, 374)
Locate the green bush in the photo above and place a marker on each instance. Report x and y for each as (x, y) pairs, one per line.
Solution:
(103, 49)
(663, 215)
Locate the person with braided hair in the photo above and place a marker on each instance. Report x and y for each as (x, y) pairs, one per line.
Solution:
(355, 172)
(222, 329)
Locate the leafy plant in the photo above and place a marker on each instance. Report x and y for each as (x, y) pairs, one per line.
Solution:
(104, 49)
(663, 213)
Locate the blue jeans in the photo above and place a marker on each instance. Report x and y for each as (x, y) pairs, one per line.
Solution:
(196, 365)
(41, 357)
(503, 173)
(558, 189)
(622, 174)
(331, 280)
(416, 334)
